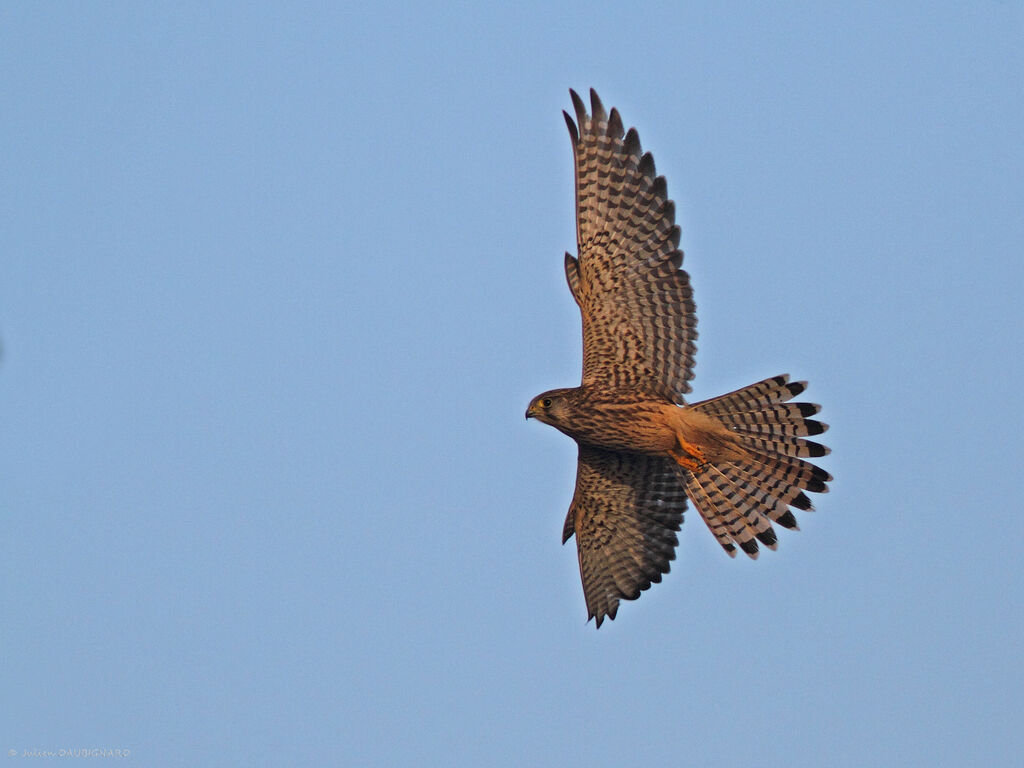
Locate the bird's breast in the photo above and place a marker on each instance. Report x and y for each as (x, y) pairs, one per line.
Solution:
(638, 426)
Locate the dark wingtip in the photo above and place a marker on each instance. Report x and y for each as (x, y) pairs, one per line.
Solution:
(674, 235)
(615, 129)
(632, 142)
(573, 133)
(597, 108)
(608, 614)
(580, 108)
(646, 166)
(660, 188)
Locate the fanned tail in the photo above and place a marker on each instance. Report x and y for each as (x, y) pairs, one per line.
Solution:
(739, 500)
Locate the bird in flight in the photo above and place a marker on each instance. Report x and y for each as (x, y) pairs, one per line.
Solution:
(740, 457)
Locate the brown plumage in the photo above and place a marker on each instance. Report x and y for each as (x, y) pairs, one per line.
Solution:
(740, 458)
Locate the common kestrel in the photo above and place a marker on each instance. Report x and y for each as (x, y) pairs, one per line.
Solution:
(642, 449)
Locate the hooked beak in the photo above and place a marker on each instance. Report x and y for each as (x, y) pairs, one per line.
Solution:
(529, 411)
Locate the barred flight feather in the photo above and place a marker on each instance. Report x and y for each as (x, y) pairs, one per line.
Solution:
(625, 514)
(639, 319)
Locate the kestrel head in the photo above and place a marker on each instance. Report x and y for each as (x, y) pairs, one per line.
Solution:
(550, 407)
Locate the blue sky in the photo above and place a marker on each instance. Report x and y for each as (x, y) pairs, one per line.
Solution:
(277, 283)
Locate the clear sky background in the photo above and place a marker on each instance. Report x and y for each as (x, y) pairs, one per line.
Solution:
(277, 283)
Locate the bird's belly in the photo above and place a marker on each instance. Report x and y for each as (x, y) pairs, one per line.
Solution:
(634, 427)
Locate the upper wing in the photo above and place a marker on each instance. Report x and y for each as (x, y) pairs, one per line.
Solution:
(639, 319)
(625, 512)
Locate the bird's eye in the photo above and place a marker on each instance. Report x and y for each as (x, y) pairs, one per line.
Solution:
(546, 402)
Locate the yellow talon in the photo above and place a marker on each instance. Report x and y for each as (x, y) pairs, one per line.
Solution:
(691, 457)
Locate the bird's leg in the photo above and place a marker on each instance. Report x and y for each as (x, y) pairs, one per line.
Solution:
(691, 456)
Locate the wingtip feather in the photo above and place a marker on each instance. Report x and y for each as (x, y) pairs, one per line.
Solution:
(615, 124)
(660, 189)
(632, 142)
(574, 134)
(580, 108)
(646, 166)
(597, 108)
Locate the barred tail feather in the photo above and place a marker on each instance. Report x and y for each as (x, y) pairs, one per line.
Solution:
(794, 447)
(727, 511)
(740, 499)
(753, 475)
(708, 510)
(755, 397)
(775, 508)
(775, 420)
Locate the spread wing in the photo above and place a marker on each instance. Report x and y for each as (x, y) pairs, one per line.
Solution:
(625, 514)
(639, 319)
